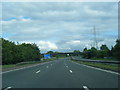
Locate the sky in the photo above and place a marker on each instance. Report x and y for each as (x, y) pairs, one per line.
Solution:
(60, 26)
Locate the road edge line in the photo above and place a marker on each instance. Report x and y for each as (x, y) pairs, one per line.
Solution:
(108, 71)
(25, 67)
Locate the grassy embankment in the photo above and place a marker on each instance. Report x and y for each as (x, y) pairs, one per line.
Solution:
(23, 64)
(104, 59)
(111, 67)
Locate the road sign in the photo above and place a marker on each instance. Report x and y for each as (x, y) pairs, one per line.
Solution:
(46, 56)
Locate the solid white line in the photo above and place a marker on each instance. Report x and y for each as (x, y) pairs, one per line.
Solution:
(7, 88)
(85, 87)
(20, 68)
(98, 68)
(70, 71)
(38, 71)
(25, 67)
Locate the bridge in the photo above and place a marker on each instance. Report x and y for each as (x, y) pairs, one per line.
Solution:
(64, 54)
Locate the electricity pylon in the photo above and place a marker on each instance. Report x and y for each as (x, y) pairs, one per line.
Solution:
(95, 38)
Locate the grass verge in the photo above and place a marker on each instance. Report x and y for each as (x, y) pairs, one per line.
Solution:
(111, 67)
(104, 59)
(23, 64)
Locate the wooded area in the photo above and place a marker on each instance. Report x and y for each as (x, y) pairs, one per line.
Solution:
(104, 51)
(13, 53)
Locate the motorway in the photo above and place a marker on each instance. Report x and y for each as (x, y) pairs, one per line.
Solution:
(61, 73)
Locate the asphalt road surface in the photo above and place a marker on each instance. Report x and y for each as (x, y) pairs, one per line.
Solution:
(61, 73)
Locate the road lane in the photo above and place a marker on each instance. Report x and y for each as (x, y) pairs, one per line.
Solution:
(57, 75)
(93, 78)
(22, 76)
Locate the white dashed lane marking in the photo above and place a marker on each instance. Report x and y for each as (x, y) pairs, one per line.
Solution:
(38, 71)
(70, 71)
(85, 87)
(46, 66)
(7, 88)
(66, 66)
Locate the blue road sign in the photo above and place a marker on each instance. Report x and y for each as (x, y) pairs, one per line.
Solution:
(46, 56)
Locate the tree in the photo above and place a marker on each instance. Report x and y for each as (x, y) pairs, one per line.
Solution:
(93, 52)
(51, 53)
(105, 52)
(76, 52)
(90, 53)
(104, 47)
(12, 53)
(85, 49)
(7, 52)
(0, 51)
(116, 49)
(111, 51)
(86, 53)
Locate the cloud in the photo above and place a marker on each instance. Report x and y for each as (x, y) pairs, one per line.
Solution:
(47, 45)
(74, 42)
(62, 26)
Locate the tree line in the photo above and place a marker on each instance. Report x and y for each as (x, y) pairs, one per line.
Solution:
(56, 54)
(14, 53)
(104, 51)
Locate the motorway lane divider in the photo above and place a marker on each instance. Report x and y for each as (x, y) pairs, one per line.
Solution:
(38, 71)
(66, 66)
(85, 87)
(71, 71)
(7, 88)
(46, 66)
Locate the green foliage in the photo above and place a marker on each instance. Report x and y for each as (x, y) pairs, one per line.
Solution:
(90, 52)
(85, 49)
(104, 47)
(93, 52)
(0, 51)
(103, 52)
(12, 53)
(116, 49)
(52, 54)
(76, 52)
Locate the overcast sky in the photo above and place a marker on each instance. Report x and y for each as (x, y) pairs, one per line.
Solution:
(60, 26)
